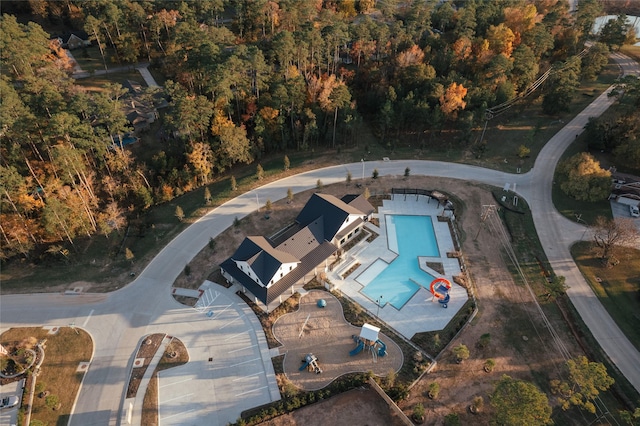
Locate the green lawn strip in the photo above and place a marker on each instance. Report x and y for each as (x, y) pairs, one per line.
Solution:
(96, 83)
(618, 288)
(90, 59)
(64, 352)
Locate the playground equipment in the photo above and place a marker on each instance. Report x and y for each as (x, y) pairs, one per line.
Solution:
(310, 360)
(368, 339)
(440, 289)
(322, 303)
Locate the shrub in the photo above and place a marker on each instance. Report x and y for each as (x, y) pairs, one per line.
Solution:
(187, 269)
(349, 177)
(407, 171)
(461, 352)
(418, 412)
(434, 390)
(489, 365)
(375, 174)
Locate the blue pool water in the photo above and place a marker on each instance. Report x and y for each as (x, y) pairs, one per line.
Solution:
(397, 282)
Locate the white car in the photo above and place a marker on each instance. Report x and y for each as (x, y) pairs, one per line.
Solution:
(633, 210)
(9, 402)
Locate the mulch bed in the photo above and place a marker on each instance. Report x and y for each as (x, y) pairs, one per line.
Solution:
(147, 349)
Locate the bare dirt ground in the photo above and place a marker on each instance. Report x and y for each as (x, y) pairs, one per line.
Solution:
(357, 407)
(328, 336)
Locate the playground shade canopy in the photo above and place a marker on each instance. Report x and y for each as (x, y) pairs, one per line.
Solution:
(369, 332)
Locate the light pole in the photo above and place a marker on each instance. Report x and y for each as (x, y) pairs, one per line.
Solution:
(362, 161)
(378, 301)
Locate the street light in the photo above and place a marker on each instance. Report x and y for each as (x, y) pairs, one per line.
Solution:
(378, 300)
(362, 161)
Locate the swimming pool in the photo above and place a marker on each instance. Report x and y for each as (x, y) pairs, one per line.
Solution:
(399, 280)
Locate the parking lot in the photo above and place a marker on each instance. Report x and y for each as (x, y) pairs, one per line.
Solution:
(9, 416)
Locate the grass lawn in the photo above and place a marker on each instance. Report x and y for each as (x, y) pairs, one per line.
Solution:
(618, 288)
(632, 51)
(90, 58)
(96, 83)
(58, 375)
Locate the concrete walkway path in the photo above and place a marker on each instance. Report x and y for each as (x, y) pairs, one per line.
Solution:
(138, 401)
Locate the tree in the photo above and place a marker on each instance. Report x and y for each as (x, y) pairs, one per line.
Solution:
(179, 213)
(594, 61)
(610, 235)
(519, 403)
(434, 390)
(234, 184)
(582, 178)
(586, 380)
(349, 178)
(289, 195)
(287, 163)
(268, 205)
(128, 254)
(207, 195)
(259, 172)
(461, 352)
(375, 174)
(453, 100)
(556, 287)
(319, 185)
(201, 159)
(407, 172)
(614, 32)
(524, 151)
(562, 84)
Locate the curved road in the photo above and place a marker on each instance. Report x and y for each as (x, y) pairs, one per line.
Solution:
(117, 321)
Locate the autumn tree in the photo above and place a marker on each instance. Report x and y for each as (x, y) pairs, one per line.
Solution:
(612, 235)
(582, 178)
(519, 403)
(453, 100)
(586, 381)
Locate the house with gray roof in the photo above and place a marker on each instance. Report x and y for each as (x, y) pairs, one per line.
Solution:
(271, 268)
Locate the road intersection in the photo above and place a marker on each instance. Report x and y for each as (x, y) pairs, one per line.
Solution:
(118, 321)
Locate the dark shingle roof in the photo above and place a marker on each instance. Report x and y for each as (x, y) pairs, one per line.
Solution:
(333, 211)
(359, 202)
(264, 259)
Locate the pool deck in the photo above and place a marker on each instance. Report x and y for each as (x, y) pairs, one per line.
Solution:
(419, 314)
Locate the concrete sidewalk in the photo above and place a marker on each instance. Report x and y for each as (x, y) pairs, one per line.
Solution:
(133, 406)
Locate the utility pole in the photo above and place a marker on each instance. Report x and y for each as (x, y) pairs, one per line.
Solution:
(486, 211)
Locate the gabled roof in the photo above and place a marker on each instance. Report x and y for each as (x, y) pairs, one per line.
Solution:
(359, 202)
(262, 257)
(333, 211)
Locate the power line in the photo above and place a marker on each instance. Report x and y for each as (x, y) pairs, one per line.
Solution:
(602, 412)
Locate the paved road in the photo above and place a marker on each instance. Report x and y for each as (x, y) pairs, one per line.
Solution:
(119, 320)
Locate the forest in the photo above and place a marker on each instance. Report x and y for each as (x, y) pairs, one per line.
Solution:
(249, 79)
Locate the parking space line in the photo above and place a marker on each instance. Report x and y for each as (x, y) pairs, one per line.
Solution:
(84, 324)
(242, 349)
(177, 414)
(175, 383)
(221, 312)
(253, 390)
(236, 335)
(244, 362)
(244, 377)
(177, 397)
(230, 322)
